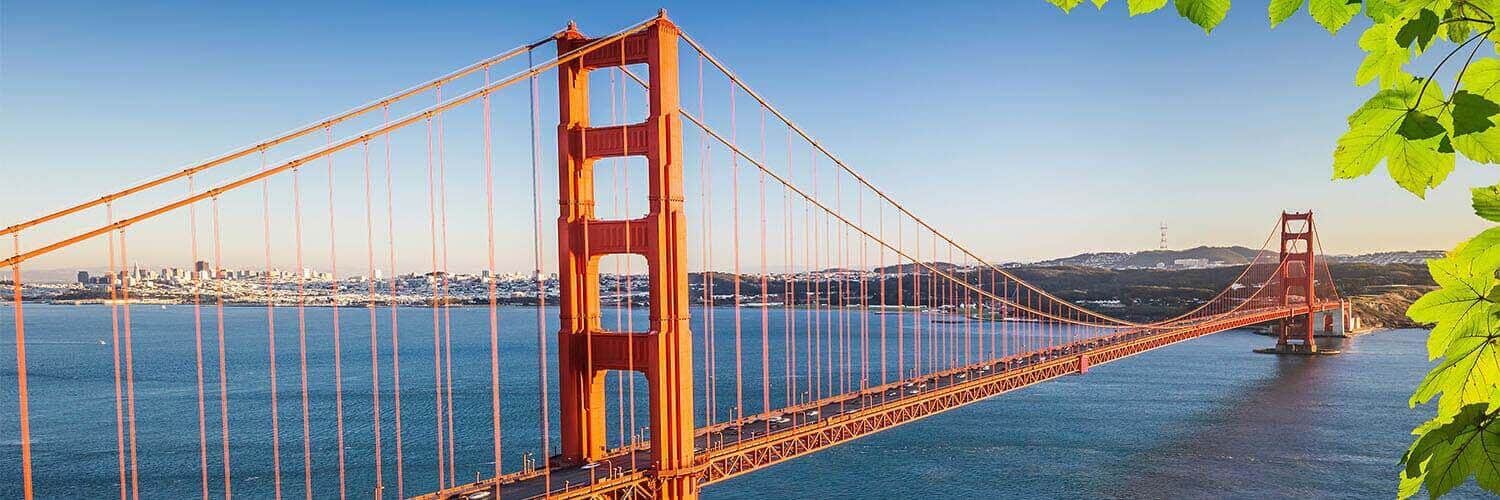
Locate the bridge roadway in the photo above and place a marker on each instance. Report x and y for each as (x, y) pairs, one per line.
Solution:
(733, 448)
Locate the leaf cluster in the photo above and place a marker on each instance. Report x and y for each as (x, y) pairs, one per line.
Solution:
(1416, 128)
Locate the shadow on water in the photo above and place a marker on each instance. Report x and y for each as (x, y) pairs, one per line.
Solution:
(1260, 443)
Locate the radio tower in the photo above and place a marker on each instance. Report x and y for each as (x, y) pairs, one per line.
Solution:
(1164, 235)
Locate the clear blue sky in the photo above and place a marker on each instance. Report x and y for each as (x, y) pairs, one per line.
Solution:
(1093, 127)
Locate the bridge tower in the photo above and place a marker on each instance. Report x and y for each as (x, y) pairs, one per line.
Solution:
(1297, 281)
(585, 350)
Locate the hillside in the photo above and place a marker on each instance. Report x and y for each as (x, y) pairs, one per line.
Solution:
(1151, 259)
(1148, 294)
(1381, 292)
(1218, 257)
(1387, 309)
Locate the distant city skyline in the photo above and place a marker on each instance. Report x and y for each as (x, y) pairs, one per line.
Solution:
(1097, 259)
(1082, 144)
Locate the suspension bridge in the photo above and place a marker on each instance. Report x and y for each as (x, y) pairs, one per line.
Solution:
(766, 300)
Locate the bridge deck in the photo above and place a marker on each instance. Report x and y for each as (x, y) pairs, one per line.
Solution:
(731, 449)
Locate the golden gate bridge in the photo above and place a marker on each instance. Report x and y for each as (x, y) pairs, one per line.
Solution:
(880, 319)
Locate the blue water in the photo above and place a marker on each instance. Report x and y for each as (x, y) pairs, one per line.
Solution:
(1207, 418)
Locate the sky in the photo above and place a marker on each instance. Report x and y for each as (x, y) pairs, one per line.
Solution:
(1020, 131)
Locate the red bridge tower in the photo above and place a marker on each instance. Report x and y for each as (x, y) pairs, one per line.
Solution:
(1297, 282)
(585, 350)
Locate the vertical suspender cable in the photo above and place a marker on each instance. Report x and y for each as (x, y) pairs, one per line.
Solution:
(437, 316)
(630, 299)
(789, 286)
(302, 334)
(114, 325)
(916, 297)
(541, 289)
(989, 318)
(839, 266)
(817, 291)
(265, 199)
(23, 395)
(489, 218)
(970, 349)
(845, 289)
(734, 173)
(338, 349)
(708, 238)
(884, 308)
(864, 302)
(614, 200)
(447, 308)
(900, 303)
(832, 280)
(198, 340)
(374, 324)
(223, 370)
(706, 279)
(135, 481)
(765, 318)
(437, 328)
(390, 219)
(811, 291)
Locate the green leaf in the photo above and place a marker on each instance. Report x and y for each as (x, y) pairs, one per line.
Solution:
(1332, 15)
(1205, 13)
(1458, 306)
(1381, 11)
(1464, 314)
(1457, 30)
(1471, 113)
(1469, 372)
(1420, 164)
(1065, 5)
(1419, 29)
(1482, 78)
(1487, 202)
(1483, 147)
(1366, 144)
(1416, 125)
(1138, 7)
(1482, 252)
(1280, 10)
(1408, 9)
(1450, 449)
(1099, 4)
(1416, 147)
(1409, 486)
(1384, 57)
(1373, 135)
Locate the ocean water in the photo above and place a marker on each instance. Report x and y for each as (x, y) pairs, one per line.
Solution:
(1203, 419)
